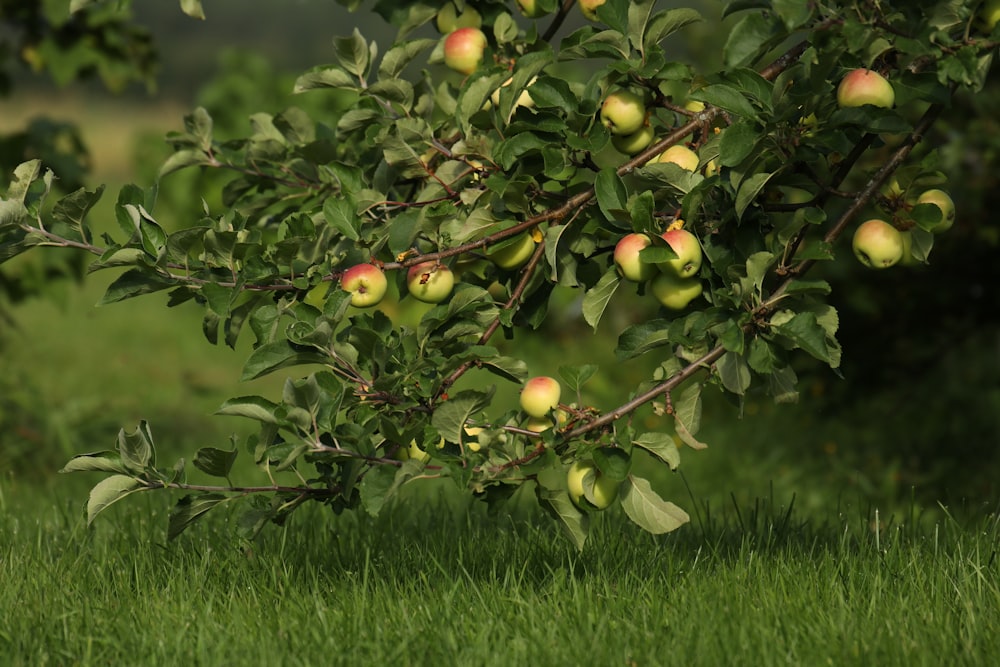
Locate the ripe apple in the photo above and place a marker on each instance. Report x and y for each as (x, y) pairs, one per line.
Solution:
(589, 8)
(539, 395)
(366, 283)
(943, 201)
(688, 250)
(989, 14)
(449, 18)
(682, 156)
(626, 258)
(623, 112)
(464, 49)
(673, 292)
(530, 8)
(635, 143)
(877, 244)
(430, 282)
(604, 492)
(513, 255)
(863, 86)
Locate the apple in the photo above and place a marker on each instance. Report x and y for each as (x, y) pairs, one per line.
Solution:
(589, 8)
(623, 112)
(694, 106)
(413, 451)
(673, 292)
(366, 283)
(989, 14)
(863, 86)
(473, 432)
(530, 8)
(449, 18)
(688, 250)
(523, 100)
(877, 244)
(711, 168)
(513, 255)
(943, 201)
(605, 489)
(538, 424)
(464, 49)
(682, 156)
(626, 258)
(539, 395)
(632, 144)
(430, 281)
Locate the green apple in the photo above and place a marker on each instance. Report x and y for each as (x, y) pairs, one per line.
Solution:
(539, 395)
(989, 14)
(626, 258)
(513, 255)
(464, 49)
(604, 491)
(694, 106)
(430, 281)
(530, 8)
(449, 18)
(688, 250)
(523, 100)
(682, 156)
(863, 86)
(623, 112)
(635, 143)
(366, 283)
(673, 292)
(589, 8)
(943, 201)
(413, 451)
(877, 244)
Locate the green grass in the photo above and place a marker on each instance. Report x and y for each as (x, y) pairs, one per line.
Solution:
(427, 585)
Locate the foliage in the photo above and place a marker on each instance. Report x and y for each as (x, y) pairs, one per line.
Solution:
(428, 166)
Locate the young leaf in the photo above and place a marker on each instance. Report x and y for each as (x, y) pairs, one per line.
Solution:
(596, 300)
(109, 491)
(190, 508)
(215, 462)
(648, 510)
(660, 445)
(105, 461)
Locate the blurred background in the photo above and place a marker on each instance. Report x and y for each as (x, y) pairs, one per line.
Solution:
(913, 416)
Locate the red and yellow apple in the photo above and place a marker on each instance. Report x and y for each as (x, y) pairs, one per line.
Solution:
(688, 250)
(430, 281)
(540, 395)
(627, 260)
(366, 283)
(864, 86)
(623, 112)
(877, 244)
(464, 49)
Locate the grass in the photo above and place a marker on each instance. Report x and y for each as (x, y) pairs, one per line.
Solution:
(427, 585)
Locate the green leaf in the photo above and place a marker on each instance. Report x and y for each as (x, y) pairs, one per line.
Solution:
(340, 213)
(190, 508)
(193, 9)
(508, 368)
(132, 283)
(751, 37)
(136, 448)
(353, 53)
(726, 98)
(330, 77)
(109, 491)
(687, 415)
(596, 300)
(613, 462)
(252, 407)
(577, 376)
(375, 486)
(648, 510)
(806, 331)
(749, 190)
(660, 445)
(214, 461)
(734, 372)
(104, 461)
(738, 142)
(451, 416)
(641, 338)
(554, 499)
(273, 356)
(666, 23)
(398, 57)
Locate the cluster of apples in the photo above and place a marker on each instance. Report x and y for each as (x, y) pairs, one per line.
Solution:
(879, 244)
(540, 401)
(532, 10)
(430, 282)
(674, 282)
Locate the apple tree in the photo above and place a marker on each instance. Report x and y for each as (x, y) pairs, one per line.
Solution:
(498, 154)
